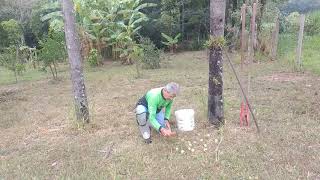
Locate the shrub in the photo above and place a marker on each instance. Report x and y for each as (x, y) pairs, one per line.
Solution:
(20, 68)
(151, 54)
(93, 58)
(312, 26)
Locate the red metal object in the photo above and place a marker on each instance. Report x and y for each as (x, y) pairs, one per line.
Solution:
(244, 114)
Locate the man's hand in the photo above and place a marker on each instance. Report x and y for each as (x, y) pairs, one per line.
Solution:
(168, 125)
(167, 132)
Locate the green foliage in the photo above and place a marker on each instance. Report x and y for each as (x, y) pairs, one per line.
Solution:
(8, 58)
(171, 42)
(214, 42)
(4, 42)
(190, 18)
(52, 50)
(137, 55)
(20, 68)
(312, 23)
(312, 26)
(114, 23)
(13, 30)
(310, 56)
(51, 12)
(93, 58)
(293, 22)
(39, 28)
(192, 45)
(151, 54)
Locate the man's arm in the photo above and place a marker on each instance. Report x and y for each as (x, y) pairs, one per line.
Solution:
(152, 109)
(168, 111)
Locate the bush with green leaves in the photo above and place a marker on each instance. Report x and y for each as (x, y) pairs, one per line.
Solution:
(312, 26)
(13, 31)
(171, 42)
(151, 54)
(93, 58)
(52, 51)
(293, 22)
(4, 37)
(8, 59)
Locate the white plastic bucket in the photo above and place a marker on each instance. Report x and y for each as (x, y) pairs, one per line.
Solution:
(185, 119)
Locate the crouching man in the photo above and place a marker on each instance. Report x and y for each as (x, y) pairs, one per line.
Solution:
(153, 111)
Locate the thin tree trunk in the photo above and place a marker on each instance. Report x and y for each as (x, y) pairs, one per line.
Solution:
(215, 91)
(234, 8)
(182, 20)
(243, 33)
(252, 37)
(262, 9)
(299, 49)
(73, 46)
(15, 75)
(55, 69)
(227, 16)
(275, 39)
(15, 64)
(52, 72)
(99, 48)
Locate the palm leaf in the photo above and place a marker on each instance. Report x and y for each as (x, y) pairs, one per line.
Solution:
(166, 43)
(168, 38)
(52, 15)
(145, 5)
(177, 37)
(136, 29)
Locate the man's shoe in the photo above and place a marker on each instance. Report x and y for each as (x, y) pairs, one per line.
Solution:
(148, 141)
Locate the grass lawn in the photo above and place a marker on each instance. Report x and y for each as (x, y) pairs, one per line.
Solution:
(40, 139)
(310, 51)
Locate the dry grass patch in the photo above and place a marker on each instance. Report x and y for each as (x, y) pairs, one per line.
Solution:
(39, 138)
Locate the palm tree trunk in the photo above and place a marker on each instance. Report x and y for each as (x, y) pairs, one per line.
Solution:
(215, 91)
(73, 46)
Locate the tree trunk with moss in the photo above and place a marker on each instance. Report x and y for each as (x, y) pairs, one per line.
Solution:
(73, 46)
(215, 91)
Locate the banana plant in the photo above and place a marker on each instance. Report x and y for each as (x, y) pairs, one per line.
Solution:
(129, 11)
(52, 13)
(171, 42)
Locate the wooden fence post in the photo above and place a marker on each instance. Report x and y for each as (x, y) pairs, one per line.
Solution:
(243, 33)
(299, 49)
(275, 39)
(252, 29)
